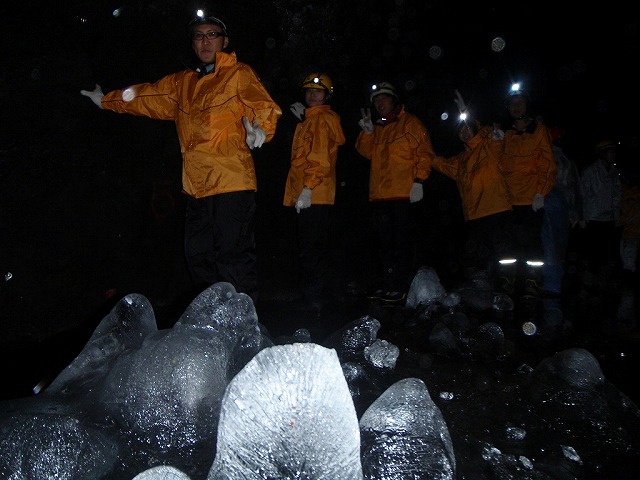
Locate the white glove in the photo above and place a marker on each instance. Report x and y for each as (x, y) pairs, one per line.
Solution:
(538, 202)
(297, 109)
(416, 193)
(497, 133)
(365, 122)
(95, 95)
(304, 199)
(255, 135)
(459, 102)
(128, 94)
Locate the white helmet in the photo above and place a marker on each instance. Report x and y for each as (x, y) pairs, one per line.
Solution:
(384, 87)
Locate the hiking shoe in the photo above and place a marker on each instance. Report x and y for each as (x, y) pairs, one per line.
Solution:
(531, 288)
(386, 296)
(394, 297)
(550, 294)
(376, 295)
(505, 285)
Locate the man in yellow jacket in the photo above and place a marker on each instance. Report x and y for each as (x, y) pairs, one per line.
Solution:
(484, 196)
(222, 111)
(311, 182)
(529, 168)
(399, 148)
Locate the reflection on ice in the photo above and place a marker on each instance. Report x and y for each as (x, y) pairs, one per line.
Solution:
(351, 340)
(123, 330)
(159, 392)
(425, 289)
(214, 397)
(382, 354)
(288, 414)
(405, 436)
(162, 472)
(42, 438)
(574, 367)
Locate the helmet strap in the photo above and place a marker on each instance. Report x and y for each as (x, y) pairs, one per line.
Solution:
(392, 117)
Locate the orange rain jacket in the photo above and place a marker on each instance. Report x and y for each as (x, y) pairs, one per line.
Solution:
(482, 187)
(528, 164)
(400, 152)
(208, 114)
(314, 152)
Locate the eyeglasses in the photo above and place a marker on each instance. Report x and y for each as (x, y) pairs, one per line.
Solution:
(199, 36)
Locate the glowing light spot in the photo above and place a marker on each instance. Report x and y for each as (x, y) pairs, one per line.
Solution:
(579, 66)
(498, 44)
(529, 328)
(116, 13)
(128, 94)
(388, 51)
(444, 116)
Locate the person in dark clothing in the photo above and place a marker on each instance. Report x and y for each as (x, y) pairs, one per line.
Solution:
(562, 211)
(601, 187)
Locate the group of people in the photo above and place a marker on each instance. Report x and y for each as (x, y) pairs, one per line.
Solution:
(222, 112)
(503, 177)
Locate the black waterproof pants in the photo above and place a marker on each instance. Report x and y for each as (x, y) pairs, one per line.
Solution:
(313, 238)
(219, 241)
(393, 222)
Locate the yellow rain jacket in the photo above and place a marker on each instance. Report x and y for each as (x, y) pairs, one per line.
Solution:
(482, 187)
(314, 152)
(528, 164)
(400, 152)
(208, 114)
